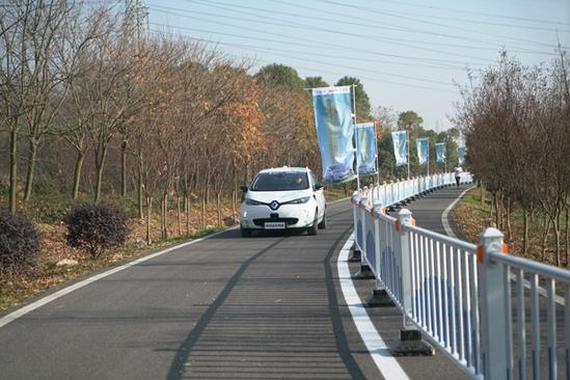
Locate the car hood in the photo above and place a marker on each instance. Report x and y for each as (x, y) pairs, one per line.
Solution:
(279, 196)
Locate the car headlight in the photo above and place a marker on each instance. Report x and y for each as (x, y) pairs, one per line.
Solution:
(299, 201)
(252, 202)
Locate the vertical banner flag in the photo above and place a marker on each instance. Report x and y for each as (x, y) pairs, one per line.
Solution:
(366, 148)
(461, 154)
(400, 140)
(440, 152)
(422, 144)
(335, 131)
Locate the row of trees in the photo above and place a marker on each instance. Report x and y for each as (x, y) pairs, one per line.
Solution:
(517, 128)
(91, 107)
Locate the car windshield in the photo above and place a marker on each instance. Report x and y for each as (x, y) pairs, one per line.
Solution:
(280, 181)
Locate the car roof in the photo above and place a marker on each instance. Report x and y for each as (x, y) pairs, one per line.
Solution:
(285, 169)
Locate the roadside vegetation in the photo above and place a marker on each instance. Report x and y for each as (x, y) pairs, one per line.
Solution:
(474, 213)
(516, 120)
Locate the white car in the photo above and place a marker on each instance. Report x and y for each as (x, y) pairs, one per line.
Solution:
(283, 198)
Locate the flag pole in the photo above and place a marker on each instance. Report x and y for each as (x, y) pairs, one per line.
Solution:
(376, 161)
(355, 134)
(427, 156)
(408, 158)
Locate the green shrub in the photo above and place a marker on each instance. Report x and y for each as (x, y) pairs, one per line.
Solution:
(96, 227)
(19, 243)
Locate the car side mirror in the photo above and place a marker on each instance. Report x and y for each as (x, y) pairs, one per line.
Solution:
(244, 188)
(318, 186)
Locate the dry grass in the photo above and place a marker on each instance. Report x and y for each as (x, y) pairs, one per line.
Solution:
(472, 217)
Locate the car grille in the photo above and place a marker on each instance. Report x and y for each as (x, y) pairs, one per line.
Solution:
(288, 221)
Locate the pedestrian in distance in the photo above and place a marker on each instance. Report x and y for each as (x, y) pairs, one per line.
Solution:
(457, 171)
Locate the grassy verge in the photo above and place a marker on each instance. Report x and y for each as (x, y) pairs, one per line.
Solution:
(472, 216)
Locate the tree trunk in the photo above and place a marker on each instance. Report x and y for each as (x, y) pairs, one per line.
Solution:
(219, 207)
(508, 210)
(204, 213)
(166, 216)
(545, 231)
(13, 170)
(100, 157)
(187, 211)
(557, 247)
(494, 210)
(234, 204)
(77, 174)
(124, 145)
(567, 236)
(140, 187)
(525, 232)
(178, 209)
(30, 173)
(148, 216)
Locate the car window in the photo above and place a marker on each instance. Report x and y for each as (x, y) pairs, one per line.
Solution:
(280, 181)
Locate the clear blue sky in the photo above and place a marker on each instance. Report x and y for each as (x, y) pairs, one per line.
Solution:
(408, 53)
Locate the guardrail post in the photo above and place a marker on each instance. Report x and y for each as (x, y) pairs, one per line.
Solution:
(364, 273)
(492, 297)
(355, 255)
(411, 342)
(379, 296)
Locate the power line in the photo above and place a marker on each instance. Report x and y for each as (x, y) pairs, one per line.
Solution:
(239, 9)
(320, 43)
(297, 26)
(348, 67)
(320, 70)
(369, 10)
(481, 14)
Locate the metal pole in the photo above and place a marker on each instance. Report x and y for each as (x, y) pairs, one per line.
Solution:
(428, 157)
(408, 158)
(377, 166)
(355, 134)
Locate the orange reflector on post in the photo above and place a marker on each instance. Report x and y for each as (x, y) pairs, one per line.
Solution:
(480, 253)
(413, 222)
(397, 225)
(505, 249)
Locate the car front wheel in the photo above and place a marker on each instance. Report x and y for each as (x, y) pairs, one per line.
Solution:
(245, 232)
(314, 228)
(323, 223)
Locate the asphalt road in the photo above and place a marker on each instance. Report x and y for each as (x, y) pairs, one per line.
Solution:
(226, 307)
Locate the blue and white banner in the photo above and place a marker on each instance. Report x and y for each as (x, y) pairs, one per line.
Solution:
(440, 152)
(422, 145)
(461, 154)
(335, 131)
(400, 140)
(366, 148)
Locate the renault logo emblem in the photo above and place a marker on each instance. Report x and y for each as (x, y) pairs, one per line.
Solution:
(274, 205)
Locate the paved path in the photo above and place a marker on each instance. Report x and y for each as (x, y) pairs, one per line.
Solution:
(227, 307)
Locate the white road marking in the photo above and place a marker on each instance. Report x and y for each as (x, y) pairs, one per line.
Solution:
(449, 232)
(60, 293)
(445, 214)
(379, 351)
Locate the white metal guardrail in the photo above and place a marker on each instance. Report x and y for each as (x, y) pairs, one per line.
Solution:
(460, 295)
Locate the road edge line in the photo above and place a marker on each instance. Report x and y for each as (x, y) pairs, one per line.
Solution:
(387, 365)
(71, 288)
(445, 214)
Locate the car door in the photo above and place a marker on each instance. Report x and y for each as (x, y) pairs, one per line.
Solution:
(319, 196)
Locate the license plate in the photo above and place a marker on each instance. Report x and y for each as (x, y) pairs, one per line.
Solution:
(274, 225)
